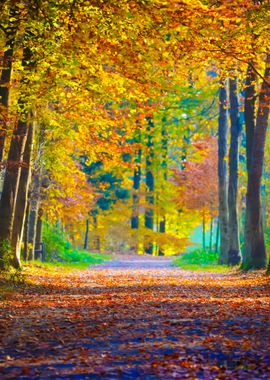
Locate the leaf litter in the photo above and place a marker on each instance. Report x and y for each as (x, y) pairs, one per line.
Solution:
(136, 323)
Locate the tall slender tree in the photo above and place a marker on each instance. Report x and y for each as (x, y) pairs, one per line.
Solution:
(22, 196)
(150, 187)
(254, 245)
(222, 171)
(164, 167)
(234, 253)
(136, 183)
(136, 197)
(10, 32)
(33, 212)
(15, 160)
(85, 244)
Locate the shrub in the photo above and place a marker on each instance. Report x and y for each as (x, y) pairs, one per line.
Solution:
(5, 256)
(200, 256)
(59, 249)
(9, 273)
(199, 260)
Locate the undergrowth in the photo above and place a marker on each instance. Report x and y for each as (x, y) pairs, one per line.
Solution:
(9, 276)
(200, 260)
(59, 251)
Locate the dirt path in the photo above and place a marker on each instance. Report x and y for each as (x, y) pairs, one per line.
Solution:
(137, 262)
(137, 319)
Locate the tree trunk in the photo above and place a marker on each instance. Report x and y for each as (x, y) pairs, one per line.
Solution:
(250, 124)
(162, 229)
(25, 234)
(14, 164)
(234, 254)
(135, 202)
(85, 245)
(164, 166)
(39, 228)
(33, 216)
(6, 75)
(21, 200)
(96, 236)
(250, 112)
(12, 180)
(217, 237)
(211, 234)
(149, 211)
(203, 231)
(222, 173)
(254, 245)
(136, 188)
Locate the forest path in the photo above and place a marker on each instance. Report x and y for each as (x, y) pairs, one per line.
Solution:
(137, 262)
(114, 321)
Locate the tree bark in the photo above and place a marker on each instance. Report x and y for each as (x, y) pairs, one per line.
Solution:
(39, 228)
(211, 234)
(12, 180)
(135, 202)
(5, 79)
(234, 253)
(254, 244)
(96, 236)
(25, 233)
(85, 245)
(217, 237)
(33, 215)
(250, 112)
(136, 188)
(149, 211)
(21, 200)
(164, 166)
(222, 173)
(203, 231)
(14, 162)
(250, 124)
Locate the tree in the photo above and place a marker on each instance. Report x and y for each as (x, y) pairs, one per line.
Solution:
(150, 187)
(196, 191)
(234, 254)
(12, 177)
(254, 255)
(35, 198)
(9, 28)
(222, 172)
(136, 194)
(164, 168)
(20, 213)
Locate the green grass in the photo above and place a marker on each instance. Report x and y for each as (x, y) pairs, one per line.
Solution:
(200, 260)
(60, 252)
(83, 261)
(74, 260)
(202, 268)
(84, 258)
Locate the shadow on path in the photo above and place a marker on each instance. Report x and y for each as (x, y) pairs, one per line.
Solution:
(137, 319)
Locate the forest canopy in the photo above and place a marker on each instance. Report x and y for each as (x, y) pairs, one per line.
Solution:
(126, 125)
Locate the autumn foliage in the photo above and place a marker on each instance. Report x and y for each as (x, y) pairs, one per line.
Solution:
(127, 87)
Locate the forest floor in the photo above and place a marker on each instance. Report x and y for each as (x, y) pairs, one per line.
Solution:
(136, 319)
